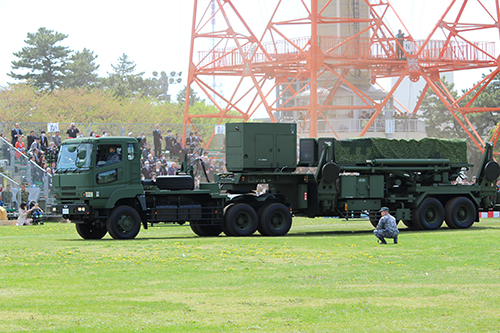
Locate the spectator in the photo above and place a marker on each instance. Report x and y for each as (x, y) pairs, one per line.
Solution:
(173, 169)
(1, 202)
(104, 133)
(36, 144)
(178, 147)
(72, 131)
(30, 139)
(159, 170)
(178, 137)
(146, 171)
(56, 138)
(151, 160)
(20, 147)
(51, 154)
(130, 134)
(16, 134)
(44, 141)
(7, 196)
(143, 140)
(157, 140)
(146, 151)
(190, 141)
(24, 194)
(23, 214)
(169, 143)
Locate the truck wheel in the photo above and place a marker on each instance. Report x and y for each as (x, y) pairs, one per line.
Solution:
(123, 223)
(205, 230)
(429, 215)
(90, 231)
(240, 220)
(275, 220)
(460, 213)
(373, 218)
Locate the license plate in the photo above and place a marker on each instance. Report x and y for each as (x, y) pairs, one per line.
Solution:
(65, 210)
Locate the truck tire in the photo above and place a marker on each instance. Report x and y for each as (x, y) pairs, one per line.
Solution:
(429, 215)
(205, 230)
(460, 213)
(90, 231)
(240, 220)
(123, 223)
(373, 218)
(275, 220)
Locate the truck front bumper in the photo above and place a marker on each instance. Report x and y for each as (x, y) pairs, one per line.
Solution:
(69, 211)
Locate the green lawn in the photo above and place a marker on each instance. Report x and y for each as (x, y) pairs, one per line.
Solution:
(327, 275)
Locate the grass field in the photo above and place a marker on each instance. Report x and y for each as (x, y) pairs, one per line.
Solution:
(327, 275)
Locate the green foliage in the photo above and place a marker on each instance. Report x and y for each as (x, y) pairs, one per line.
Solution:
(193, 97)
(81, 71)
(22, 102)
(441, 124)
(438, 120)
(326, 276)
(352, 151)
(43, 62)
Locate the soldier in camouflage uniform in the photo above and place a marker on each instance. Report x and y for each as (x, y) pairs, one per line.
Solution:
(387, 227)
(24, 193)
(7, 197)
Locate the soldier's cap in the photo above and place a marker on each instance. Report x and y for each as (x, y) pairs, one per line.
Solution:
(384, 209)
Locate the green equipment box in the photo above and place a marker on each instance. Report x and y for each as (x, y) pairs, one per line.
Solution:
(261, 147)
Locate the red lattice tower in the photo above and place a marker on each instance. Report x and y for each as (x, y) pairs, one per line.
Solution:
(257, 64)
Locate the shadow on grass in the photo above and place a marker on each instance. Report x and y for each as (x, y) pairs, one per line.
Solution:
(323, 233)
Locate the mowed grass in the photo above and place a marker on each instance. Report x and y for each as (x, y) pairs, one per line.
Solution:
(327, 275)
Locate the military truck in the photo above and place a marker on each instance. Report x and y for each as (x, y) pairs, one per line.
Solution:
(98, 184)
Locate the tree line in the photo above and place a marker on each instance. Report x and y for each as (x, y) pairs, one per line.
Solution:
(54, 84)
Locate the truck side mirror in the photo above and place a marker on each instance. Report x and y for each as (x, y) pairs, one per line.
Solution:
(82, 154)
(72, 148)
(80, 161)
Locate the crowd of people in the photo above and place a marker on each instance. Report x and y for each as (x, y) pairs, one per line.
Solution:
(162, 159)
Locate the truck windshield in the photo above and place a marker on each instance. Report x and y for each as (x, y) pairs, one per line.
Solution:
(68, 158)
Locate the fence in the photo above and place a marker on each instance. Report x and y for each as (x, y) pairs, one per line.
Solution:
(16, 169)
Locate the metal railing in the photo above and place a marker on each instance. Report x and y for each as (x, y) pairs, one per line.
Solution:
(16, 168)
(357, 125)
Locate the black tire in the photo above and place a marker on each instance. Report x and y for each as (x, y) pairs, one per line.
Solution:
(205, 230)
(373, 218)
(90, 231)
(429, 215)
(460, 213)
(275, 220)
(123, 223)
(226, 228)
(240, 220)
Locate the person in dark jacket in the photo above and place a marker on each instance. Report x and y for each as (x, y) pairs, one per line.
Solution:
(157, 140)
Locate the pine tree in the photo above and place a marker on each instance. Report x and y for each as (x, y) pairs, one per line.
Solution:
(42, 61)
(82, 70)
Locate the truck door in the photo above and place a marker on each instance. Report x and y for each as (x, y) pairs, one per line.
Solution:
(110, 174)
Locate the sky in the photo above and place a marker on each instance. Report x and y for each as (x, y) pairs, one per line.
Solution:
(156, 34)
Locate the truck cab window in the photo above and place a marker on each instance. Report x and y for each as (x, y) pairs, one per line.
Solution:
(130, 151)
(108, 155)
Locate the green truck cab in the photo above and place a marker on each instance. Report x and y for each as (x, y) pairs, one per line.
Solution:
(98, 186)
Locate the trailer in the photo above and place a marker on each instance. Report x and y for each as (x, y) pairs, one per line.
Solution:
(414, 178)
